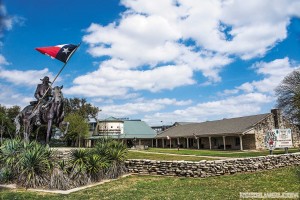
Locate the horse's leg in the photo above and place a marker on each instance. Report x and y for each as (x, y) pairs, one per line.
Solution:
(18, 124)
(26, 130)
(63, 123)
(48, 131)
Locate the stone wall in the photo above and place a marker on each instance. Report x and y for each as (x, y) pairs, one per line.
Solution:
(211, 168)
(268, 124)
(261, 129)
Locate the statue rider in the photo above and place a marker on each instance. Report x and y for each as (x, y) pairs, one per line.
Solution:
(42, 97)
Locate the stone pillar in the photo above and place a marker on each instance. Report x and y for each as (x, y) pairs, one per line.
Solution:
(163, 143)
(156, 143)
(140, 142)
(170, 140)
(241, 142)
(187, 143)
(209, 138)
(198, 145)
(152, 142)
(224, 143)
(178, 140)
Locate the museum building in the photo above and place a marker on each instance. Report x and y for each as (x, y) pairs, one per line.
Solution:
(239, 133)
(131, 132)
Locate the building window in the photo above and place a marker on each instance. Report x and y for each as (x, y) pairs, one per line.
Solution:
(237, 141)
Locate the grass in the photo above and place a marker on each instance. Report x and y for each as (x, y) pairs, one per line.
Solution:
(150, 187)
(139, 155)
(218, 153)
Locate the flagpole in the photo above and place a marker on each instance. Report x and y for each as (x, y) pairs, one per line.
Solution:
(57, 75)
(62, 68)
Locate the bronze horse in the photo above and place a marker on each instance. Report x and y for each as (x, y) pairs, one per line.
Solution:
(53, 114)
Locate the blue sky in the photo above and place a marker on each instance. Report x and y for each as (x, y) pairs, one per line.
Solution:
(161, 60)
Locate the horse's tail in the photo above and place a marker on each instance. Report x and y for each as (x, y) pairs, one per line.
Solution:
(18, 124)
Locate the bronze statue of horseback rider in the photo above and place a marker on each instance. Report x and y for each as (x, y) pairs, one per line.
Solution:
(43, 94)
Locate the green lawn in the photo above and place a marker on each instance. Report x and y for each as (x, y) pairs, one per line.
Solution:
(139, 155)
(158, 187)
(219, 153)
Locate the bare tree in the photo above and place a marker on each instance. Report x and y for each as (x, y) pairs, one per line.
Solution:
(288, 96)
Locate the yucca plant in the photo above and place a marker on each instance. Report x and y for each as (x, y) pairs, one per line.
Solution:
(96, 166)
(102, 145)
(10, 158)
(60, 179)
(35, 165)
(116, 153)
(6, 175)
(78, 161)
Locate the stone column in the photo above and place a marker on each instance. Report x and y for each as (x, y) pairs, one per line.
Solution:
(187, 143)
(198, 145)
(140, 142)
(241, 142)
(224, 143)
(152, 142)
(156, 143)
(163, 143)
(178, 140)
(170, 142)
(209, 138)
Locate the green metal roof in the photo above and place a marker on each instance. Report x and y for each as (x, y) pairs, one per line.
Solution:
(112, 119)
(132, 129)
(138, 129)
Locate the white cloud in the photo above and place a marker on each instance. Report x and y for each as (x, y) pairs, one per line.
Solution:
(200, 35)
(3, 60)
(233, 106)
(10, 97)
(141, 106)
(28, 77)
(273, 73)
(109, 81)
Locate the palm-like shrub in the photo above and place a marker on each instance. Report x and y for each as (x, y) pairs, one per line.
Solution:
(78, 161)
(60, 177)
(10, 159)
(27, 163)
(116, 154)
(96, 166)
(36, 164)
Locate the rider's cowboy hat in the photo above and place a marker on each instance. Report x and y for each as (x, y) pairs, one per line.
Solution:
(46, 78)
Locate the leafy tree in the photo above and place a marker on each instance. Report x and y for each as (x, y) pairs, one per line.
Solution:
(78, 129)
(7, 116)
(81, 107)
(288, 94)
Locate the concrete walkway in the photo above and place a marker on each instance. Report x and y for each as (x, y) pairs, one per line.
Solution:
(14, 186)
(173, 154)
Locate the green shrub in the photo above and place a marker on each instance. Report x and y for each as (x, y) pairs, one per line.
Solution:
(33, 165)
(36, 164)
(6, 175)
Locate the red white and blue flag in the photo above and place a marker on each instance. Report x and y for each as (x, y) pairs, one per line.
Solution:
(60, 52)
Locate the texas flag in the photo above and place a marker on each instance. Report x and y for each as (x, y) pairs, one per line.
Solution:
(60, 52)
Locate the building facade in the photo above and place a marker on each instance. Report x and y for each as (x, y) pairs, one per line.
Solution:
(235, 133)
(131, 132)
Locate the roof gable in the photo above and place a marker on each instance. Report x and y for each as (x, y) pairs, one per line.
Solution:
(138, 129)
(219, 127)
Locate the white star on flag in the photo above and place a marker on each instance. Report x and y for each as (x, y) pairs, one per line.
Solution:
(66, 50)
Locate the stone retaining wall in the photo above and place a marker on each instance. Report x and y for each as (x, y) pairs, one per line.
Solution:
(211, 168)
